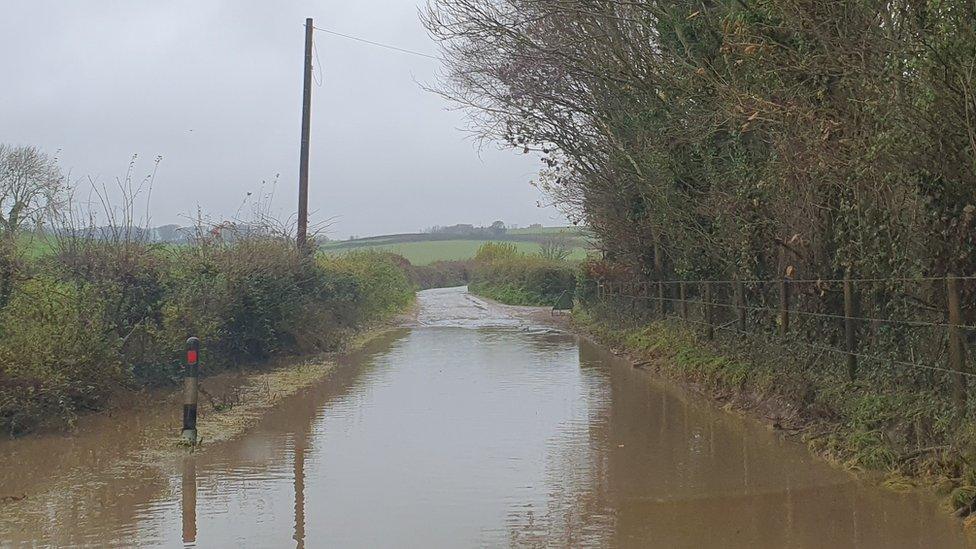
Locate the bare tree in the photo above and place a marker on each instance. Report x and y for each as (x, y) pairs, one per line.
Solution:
(556, 247)
(32, 187)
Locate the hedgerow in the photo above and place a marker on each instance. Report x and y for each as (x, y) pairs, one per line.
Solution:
(98, 315)
(503, 273)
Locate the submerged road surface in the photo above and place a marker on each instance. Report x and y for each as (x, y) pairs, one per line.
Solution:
(478, 428)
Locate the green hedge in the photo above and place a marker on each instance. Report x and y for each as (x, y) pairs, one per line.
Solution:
(95, 316)
(502, 273)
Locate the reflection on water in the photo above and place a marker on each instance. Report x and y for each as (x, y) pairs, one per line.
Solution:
(188, 494)
(298, 459)
(488, 435)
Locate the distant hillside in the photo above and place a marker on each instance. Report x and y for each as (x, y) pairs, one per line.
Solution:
(425, 248)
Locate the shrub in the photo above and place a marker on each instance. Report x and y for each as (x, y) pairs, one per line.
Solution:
(98, 314)
(127, 279)
(440, 274)
(593, 270)
(557, 247)
(380, 284)
(265, 285)
(126, 275)
(520, 279)
(57, 353)
(494, 251)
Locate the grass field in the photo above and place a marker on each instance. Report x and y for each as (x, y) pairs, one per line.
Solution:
(419, 248)
(425, 253)
(34, 246)
(426, 248)
(549, 231)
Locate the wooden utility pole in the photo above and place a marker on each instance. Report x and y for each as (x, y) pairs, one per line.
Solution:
(302, 237)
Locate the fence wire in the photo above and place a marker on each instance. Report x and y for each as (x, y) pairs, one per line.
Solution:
(642, 292)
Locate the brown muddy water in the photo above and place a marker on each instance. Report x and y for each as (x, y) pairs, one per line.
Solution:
(473, 428)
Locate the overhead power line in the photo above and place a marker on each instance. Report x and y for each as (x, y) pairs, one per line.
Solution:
(379, 44)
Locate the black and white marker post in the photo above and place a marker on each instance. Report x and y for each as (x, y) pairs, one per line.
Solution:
(191, 376)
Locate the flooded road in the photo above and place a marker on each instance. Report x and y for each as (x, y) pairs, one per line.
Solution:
(477, 428)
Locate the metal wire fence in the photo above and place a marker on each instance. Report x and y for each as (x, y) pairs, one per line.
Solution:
(914, 325)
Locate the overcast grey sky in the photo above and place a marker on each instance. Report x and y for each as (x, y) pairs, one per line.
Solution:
(214, 87)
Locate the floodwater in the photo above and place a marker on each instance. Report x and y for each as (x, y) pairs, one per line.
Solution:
(473, 428)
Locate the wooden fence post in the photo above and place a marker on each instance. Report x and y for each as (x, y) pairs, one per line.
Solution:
(957, 349)
(784, 305)
(658, 272)
(662, 305)
(849, 327)
(740, 303)
(684, 300)
(707, 305)
(647, 294)
(645, 291)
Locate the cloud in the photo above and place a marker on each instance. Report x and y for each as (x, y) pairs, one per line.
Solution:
(215, 88)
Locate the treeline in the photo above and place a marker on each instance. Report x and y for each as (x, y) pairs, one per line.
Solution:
(746, 142)
(738, 137)
(743, 140)
(497, 228)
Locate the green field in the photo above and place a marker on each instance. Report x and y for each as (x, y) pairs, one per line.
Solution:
(550, 231)
(419, 248)
(425, 253)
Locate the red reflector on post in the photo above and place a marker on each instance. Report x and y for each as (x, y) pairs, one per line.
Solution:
(191, 356)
